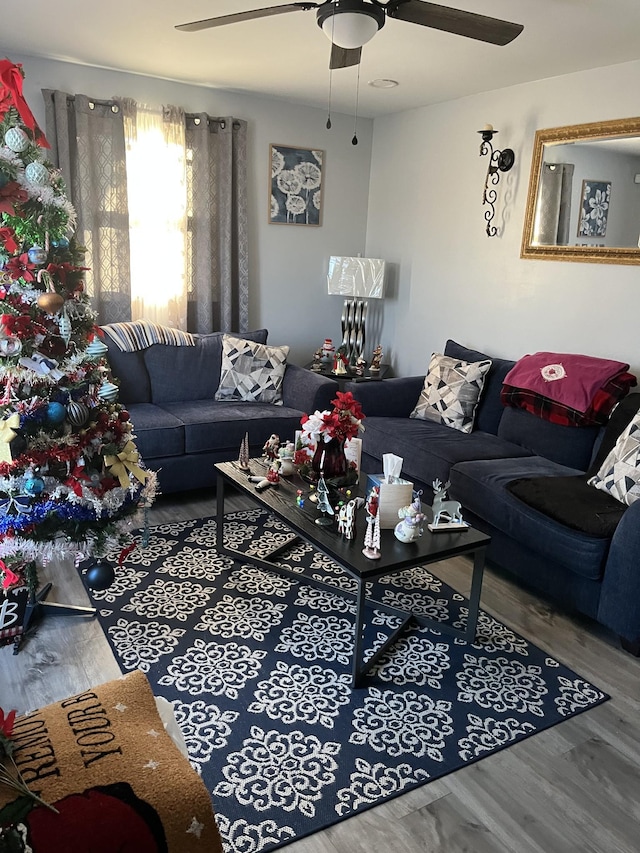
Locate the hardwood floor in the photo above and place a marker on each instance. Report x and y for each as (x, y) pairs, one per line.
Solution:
(575, 787)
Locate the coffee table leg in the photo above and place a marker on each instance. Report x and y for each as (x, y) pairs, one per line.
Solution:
(474, 595)
(358, 636)
(220, 514)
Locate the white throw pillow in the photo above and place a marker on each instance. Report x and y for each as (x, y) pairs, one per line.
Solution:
(251, 372)
(619, 474)
(451, 391)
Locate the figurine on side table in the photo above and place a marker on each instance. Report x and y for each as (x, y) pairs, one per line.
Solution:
(340, 362)
(316, 365)
(376, 360)
(361, 363)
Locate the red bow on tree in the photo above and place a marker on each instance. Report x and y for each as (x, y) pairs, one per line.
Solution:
(11, 77)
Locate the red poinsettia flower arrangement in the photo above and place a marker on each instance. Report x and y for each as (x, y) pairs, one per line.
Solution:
(344, 421)
(9, 773)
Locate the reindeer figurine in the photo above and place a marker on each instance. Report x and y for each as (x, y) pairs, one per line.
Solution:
(451, 510)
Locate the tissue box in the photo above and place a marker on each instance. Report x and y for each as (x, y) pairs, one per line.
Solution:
(392, 497)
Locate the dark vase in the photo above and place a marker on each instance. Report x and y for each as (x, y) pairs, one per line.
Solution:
(329, 459)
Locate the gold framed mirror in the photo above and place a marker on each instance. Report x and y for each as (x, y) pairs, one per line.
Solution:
(584, 194)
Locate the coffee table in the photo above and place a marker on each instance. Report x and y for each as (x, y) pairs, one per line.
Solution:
(396, 556)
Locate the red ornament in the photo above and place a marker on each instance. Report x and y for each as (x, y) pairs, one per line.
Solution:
(124, 415)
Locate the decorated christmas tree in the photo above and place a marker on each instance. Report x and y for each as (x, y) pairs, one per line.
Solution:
(70, 476)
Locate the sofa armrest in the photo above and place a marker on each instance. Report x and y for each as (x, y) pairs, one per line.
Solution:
(393, 398)
(619, 607)
(307, 391)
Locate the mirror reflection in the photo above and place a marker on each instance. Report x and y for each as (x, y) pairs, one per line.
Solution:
(584, 194)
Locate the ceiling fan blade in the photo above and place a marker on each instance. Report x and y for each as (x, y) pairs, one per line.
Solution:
(246, 16)
(344, 57)
(468, 24)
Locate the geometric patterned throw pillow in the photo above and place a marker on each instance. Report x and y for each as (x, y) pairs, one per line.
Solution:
(619, 474)
(451, 391)
(251, 372)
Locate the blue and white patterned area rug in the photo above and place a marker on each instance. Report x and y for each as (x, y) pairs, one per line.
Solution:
(257, 668)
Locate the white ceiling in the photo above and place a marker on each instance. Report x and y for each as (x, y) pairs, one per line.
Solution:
(287, 56)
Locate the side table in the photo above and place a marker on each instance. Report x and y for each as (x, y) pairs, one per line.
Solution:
(351, 375)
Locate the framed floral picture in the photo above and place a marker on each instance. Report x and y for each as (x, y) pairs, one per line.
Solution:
(596, 196)
(295, 185)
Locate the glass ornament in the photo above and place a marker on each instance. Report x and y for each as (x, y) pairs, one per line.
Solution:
(16, 139)
(37, 173)
(37, 255)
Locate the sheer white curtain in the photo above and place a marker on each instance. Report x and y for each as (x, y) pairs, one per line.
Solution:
(157, 191)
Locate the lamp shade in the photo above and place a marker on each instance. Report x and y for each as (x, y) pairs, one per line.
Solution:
(359, 277)
(350, 29)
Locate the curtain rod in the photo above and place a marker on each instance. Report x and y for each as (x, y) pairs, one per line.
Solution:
(195, 117)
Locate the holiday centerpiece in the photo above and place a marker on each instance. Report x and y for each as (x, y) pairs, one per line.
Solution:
(70, 473)
(328, 431)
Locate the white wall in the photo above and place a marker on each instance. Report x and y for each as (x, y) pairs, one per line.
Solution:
(287, 264)
(451, 280)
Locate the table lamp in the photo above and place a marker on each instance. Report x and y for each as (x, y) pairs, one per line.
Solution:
(357, 279)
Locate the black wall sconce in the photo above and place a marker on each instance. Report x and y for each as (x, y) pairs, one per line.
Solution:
(499, 161)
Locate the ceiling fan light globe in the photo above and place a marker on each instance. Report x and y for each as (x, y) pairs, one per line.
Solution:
(350, 29)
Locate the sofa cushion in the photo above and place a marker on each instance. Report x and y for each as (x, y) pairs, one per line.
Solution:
(158, 432)
(490, 408)
(221, 426)
(570, 500)
(571, 446)
(481, 487)
(619, 475)
(251, 372)
(189, 373)
(451, 391)
(130, 370)
(430, 450)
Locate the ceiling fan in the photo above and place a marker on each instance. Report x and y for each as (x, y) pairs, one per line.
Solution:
(349, 24)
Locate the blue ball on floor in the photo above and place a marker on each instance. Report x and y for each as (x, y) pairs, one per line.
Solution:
(100, 576)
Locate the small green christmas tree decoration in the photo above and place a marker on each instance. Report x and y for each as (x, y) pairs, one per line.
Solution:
(70, 474)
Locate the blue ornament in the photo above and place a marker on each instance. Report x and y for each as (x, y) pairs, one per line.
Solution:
(56, 413)
(34, 486)
(62, 243)
(37, 255)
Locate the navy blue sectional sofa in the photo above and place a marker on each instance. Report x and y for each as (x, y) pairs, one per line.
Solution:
(522, 480)
(181, 430)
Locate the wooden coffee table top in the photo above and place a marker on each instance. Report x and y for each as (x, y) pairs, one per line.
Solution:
(395, 555)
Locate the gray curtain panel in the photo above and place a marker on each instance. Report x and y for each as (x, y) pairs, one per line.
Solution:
(218, 228)
(87, 144)
(554, 205)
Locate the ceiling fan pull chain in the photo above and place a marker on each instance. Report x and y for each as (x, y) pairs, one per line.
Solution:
(333, 26)
(354, 141)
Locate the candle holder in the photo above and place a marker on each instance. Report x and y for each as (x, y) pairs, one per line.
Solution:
(499, 161)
